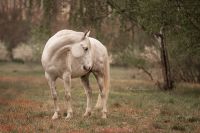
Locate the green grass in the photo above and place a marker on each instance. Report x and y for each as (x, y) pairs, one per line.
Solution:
(134, 105)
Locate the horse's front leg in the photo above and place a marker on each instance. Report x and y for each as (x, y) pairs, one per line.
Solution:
(67, 86)
(88, 92)
(51, 82)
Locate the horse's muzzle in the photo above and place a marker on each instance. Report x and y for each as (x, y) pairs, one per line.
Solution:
(87, 68)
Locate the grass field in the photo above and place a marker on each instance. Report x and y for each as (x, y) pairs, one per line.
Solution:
(134, 105)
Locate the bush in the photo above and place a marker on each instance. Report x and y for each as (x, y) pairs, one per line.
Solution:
(23, 52)
(37, 51)
(4, 54)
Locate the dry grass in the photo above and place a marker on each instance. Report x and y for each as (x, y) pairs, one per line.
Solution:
(134, 104)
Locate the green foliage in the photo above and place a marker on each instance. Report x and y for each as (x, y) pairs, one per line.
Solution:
(50, 11)
(184, 42)
(155, 14)
(37, 50)
(37, 41)
(129, 57)
(116, 24)
(39, 33)
(181, 23)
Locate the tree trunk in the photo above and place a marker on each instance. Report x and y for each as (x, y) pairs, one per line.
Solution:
(166, 72)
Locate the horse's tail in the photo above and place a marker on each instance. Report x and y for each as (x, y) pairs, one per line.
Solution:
(107, 75)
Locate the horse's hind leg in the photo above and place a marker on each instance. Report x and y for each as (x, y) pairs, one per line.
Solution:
(103, 96)
(88, 92)
(52, 85)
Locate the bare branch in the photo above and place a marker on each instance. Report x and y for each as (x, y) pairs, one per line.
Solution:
(145, 71)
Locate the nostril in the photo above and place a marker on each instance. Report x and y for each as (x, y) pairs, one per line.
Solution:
(84, 68)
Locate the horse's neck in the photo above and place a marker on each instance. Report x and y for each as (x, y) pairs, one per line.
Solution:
(60, 40)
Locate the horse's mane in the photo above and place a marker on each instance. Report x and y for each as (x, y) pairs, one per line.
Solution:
(61, 40)
(69, 36)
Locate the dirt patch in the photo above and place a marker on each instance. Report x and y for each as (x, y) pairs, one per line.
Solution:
(115, 130)
(6, 128)
(121, 81)
(147, 121)
(191, 85)
(11, 116)
(25, 129)
(24, 79)
(12, 128)
(128, 111)
(20, 102)
(78, 131)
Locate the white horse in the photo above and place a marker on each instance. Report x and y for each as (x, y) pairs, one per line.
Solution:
(70, 54)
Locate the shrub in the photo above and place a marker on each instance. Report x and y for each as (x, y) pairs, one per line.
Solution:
(23, 52)
(4, 54)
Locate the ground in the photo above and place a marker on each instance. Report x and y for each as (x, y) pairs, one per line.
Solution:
(134, 105)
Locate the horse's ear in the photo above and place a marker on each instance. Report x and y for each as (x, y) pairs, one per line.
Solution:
(86, 34)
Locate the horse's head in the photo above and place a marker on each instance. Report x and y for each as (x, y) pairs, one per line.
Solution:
(82, 51)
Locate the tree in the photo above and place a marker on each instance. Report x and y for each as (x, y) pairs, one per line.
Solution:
(14, 26)
(151, 16)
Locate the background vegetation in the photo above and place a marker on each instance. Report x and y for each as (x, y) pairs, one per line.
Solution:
(125, 27)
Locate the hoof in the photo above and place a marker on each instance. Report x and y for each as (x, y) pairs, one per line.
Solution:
(87, 114)
(68, 117)
(55, 116)
(104, 116)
